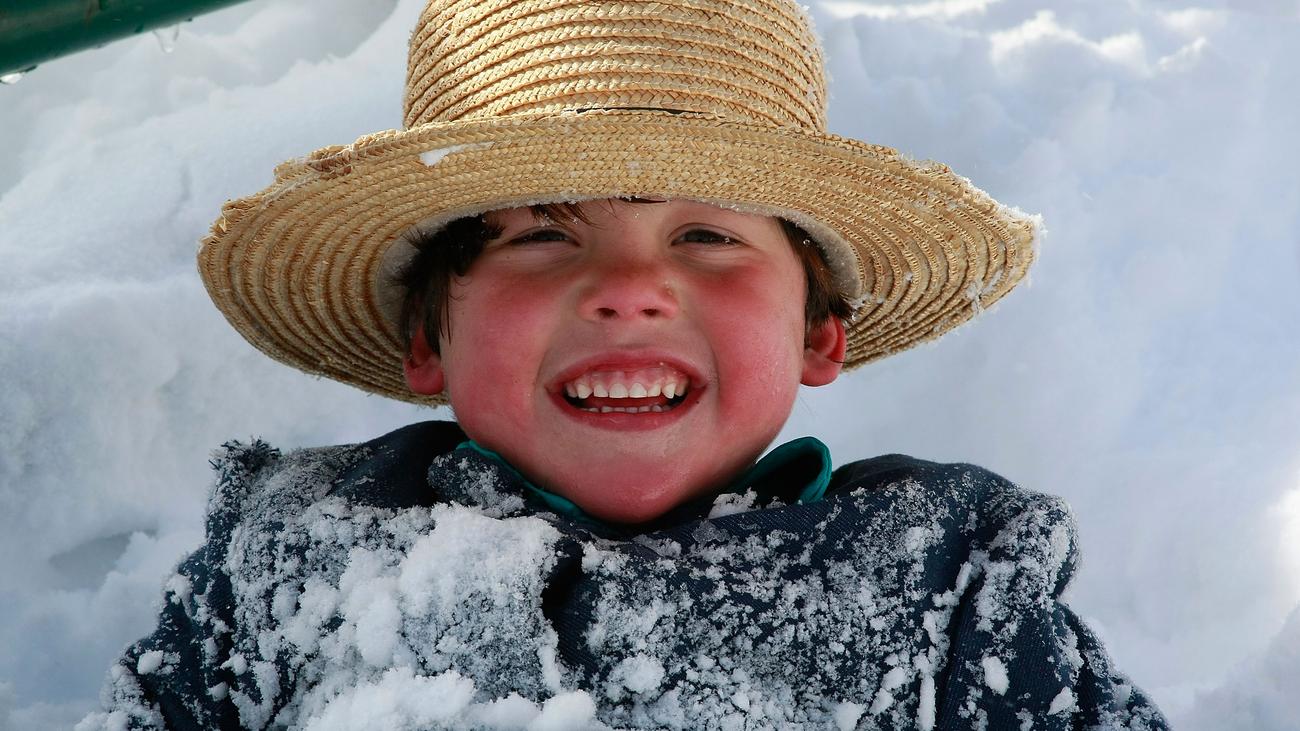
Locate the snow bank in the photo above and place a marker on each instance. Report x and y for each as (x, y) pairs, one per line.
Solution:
(1151, 374)
(1260, 694)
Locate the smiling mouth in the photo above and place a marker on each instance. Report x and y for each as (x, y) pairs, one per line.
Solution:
(647, 390)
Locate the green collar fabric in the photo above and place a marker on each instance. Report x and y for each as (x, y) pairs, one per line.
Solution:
(805, 460)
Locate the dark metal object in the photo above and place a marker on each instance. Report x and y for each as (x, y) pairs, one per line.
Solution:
(35, 31)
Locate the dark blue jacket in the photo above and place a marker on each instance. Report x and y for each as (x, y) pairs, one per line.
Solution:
(410, 576)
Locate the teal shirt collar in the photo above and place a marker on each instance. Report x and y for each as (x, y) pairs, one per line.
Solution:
(807, 457)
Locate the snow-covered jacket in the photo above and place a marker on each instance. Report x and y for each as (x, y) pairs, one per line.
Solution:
(406, 583)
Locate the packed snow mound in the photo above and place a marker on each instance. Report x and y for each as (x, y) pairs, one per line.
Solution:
(1260, 694)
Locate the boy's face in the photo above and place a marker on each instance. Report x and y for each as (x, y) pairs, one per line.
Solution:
(567, 338)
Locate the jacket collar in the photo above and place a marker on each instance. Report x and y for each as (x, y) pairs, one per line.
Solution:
(796, 472)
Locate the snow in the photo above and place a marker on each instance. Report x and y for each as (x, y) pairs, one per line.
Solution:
(149, 662)
(1261, 693)
(639, 674)
(433, 157)
(1063, 702)
(730, 503)
(347, 614)
(995, 674)
(847, 715)
(567, 711)
(399, 700)
(1150, 374)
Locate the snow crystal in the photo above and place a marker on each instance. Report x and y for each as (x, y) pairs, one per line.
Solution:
(639, 674)
(847, 715)
(920, 538)
(925, 705)
(1063, 702)
(149, 662)
(1069, 649)
(730, 503)
(178, 589)
(892, 680)
(665, 547)
(995, 674)
(236, 664)
(433, 157)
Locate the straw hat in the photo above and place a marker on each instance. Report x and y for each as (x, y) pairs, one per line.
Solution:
(515, 102)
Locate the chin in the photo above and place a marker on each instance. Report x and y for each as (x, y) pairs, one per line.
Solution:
(629, 514)
(630, 503)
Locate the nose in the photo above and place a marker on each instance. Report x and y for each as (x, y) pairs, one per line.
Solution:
(628, 288)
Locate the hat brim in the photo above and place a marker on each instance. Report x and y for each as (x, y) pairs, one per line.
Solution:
(302, 269)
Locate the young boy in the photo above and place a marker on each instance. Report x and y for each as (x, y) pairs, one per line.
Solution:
(616, 239)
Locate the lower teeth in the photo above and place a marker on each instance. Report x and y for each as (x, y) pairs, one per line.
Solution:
(622, 410)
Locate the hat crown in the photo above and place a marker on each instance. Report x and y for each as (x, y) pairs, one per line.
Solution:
(748, 61)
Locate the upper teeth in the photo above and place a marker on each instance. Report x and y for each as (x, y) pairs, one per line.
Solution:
(641, 383)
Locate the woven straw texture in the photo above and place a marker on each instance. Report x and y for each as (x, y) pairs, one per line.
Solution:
(512, 103)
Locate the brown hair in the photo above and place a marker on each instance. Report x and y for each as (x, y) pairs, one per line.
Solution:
(426, 280)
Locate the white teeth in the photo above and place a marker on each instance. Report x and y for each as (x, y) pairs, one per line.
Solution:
(650, 382)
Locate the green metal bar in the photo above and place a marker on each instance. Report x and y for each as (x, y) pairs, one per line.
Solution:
(35, 31)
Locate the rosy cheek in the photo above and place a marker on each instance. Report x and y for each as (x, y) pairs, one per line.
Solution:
(501, 314)
(484, 327)
(749, 319)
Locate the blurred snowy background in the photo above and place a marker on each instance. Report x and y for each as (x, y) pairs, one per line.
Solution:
(1150, 374)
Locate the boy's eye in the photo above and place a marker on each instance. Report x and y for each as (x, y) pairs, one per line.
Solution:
(546, 234)
(705, 236)
(694, 236)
